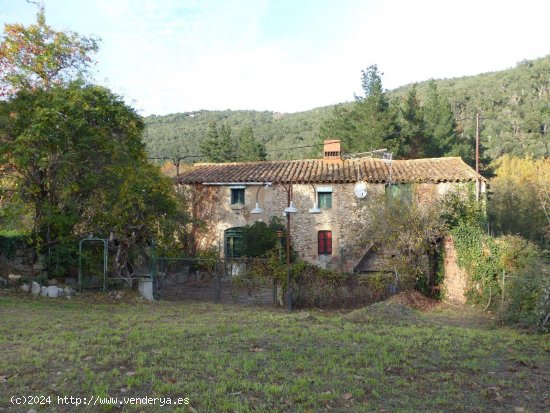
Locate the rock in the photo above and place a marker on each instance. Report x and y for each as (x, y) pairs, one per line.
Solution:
(52, 291)
(25, 288)
(14, 278)
(53, 281)
(69, 291)
(3, 282)
(116, 295)
(44, 291)
(35, 288)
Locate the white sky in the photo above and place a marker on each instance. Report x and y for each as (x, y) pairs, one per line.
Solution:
(168, 56)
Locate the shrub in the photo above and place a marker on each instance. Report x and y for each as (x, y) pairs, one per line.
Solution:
(507, 274)
(316, 287)
(260, 238)
(526, 281)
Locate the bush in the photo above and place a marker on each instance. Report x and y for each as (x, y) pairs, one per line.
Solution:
(315, 287)
(10, 241)
(526, 281)
(260, 238)
(506, 274)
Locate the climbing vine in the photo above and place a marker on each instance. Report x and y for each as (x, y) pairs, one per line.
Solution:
(478, 254)
(506, 274)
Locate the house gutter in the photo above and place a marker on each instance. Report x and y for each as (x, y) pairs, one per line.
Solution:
(235, 183)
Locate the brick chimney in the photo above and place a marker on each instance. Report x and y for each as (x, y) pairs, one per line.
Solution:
(332, 151)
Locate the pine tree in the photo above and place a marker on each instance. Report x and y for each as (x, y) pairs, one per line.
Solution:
(371, 123)
(439, 123)
(411, 120)
(250, 149)
(209, 146)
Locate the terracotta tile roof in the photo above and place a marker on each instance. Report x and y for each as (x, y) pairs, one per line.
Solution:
(318, 171)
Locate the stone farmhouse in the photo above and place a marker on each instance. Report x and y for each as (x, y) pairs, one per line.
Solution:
(330, 195)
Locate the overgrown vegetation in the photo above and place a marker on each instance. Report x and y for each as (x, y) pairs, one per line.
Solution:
(260, 239)
(72, 161)
(507, 273)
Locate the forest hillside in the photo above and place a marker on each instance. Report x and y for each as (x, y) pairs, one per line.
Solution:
(514, 106)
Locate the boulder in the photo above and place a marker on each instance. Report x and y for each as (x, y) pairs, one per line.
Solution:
(52, 291)
(25, 288)
(68, 291)
(35, 288)
(44, 291)
(14, 278)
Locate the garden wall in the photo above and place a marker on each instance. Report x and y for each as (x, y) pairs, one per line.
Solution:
(454, 284)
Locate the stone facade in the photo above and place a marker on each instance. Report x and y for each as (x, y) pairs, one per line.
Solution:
(454, 284)
(344, 219)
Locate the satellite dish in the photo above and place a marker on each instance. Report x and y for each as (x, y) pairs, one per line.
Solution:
(360, 190)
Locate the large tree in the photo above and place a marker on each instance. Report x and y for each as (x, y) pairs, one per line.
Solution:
(74, 150)
(79, 163)
(370, 123)
(439, 122)
(37, 56)
(61, 145)
(249, 148)
(415, 143)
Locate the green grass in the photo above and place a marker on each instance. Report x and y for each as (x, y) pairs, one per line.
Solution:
(237, 358)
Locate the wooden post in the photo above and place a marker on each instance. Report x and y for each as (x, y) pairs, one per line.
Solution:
(477, 156)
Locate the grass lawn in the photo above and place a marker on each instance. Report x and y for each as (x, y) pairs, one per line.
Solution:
(227, 358)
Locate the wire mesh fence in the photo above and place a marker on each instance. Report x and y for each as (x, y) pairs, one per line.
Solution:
(215, 280)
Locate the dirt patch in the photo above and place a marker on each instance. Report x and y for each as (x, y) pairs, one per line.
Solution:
(385, 313)
(414, 299)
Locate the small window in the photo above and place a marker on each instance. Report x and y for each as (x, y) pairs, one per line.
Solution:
(237, 196)
(324, 200)
(325, 242)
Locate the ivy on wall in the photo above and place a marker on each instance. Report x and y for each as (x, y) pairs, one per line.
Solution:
(505, 274)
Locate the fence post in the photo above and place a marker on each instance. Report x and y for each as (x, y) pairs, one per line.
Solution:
(154, 270)
(503, 288)
(217, 282)
(275, 291)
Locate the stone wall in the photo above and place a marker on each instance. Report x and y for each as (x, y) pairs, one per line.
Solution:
(454, 284)
(346, 219)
